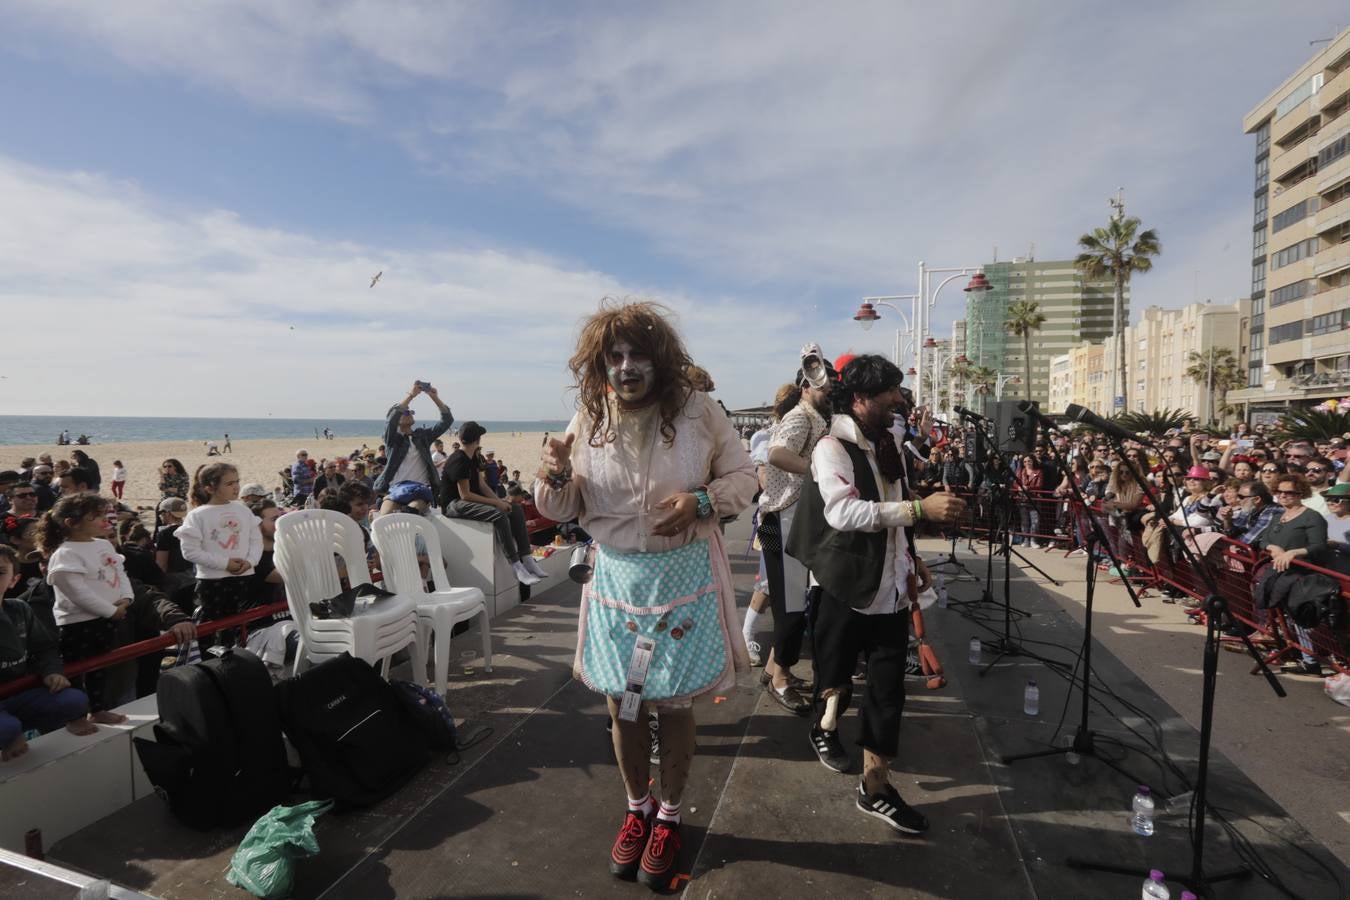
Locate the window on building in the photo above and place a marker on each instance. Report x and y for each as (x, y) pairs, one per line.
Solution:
(1262, 173)
(1258, 341)
(1298, 95)
(1263, 138)
(1262, 203)
(1296, 213)
(1293, 253)
(1254, 375)
(1291, 292)
(1258, 277)
(1333, 151)
(1259, 243)
(1290, 332)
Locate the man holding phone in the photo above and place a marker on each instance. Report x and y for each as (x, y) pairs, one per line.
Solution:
(409, 448)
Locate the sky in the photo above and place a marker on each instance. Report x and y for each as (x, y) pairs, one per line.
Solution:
(195, 196)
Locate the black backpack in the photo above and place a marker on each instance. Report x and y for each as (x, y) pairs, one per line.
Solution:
(428, 710)
(356, 742)
(218, 757)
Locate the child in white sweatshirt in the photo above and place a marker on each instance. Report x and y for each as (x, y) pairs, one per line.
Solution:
(91, 587)
(220, 537)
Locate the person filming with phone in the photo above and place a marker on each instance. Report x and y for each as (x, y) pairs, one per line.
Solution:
(409, 449)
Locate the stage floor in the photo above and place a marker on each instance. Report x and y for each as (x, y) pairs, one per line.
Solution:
(531, 811)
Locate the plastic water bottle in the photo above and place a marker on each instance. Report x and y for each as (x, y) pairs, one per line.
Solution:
(1031, 699)
(975, 651)
(1142, 820)
(1155, 886)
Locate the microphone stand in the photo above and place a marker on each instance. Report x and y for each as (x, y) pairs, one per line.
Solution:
(1216, 609)
(1083, 738)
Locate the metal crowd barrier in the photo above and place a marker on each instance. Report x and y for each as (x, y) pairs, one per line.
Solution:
(1063, 524)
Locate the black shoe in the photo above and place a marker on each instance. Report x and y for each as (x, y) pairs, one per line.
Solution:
(829, 750)
(658, 860)
(889, 808)
(913, 667)
(789, 699)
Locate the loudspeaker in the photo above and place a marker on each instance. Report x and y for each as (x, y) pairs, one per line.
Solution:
(1014, 430)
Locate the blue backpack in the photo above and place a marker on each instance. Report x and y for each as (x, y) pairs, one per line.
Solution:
(406, 492)
(426, 708)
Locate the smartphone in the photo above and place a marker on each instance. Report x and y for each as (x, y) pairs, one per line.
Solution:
(424, 385)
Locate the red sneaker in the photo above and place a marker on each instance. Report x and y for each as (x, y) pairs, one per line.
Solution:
(629, 845)
(658, 861)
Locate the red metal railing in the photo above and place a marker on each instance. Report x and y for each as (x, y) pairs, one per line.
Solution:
(143, 648)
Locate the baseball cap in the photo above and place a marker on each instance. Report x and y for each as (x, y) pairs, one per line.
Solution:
(253, 490)
(173, 504)
(1211, 456)
(1339, 489)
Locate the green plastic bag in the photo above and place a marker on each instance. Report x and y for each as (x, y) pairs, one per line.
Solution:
(264, 863)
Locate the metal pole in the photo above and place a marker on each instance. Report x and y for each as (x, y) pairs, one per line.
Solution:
(917, 326)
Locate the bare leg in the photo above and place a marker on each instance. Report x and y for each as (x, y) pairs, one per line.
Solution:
(632, 749)
(876, 772)
(16, 749)
(678, 741)
(759, 601)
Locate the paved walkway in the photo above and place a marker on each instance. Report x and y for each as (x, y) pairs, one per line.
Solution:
(530, 811)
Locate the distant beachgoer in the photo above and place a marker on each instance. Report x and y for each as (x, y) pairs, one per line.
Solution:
(83, 460)
(212, 449)
(173, 480)
(119, 479)
(65, 436)
(228, 448)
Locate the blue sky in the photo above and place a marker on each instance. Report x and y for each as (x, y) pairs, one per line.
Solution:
(183, 183)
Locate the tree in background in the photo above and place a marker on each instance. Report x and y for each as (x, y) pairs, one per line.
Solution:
(1120, 249)
(1024, 317)
(1156, 423)
(1218, 371)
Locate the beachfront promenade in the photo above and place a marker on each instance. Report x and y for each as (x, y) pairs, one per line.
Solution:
(514, 818)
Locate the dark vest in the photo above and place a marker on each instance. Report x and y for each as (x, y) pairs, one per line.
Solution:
(847, 564)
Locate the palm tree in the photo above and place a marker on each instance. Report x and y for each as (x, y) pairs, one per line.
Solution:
(1218, 369)
(1024, 317)
(1120, 249)
(1156, 423)
(1314, 424)
(982, 380)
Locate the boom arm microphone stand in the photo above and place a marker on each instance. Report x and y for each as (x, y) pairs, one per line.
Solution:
(1216, 609)
(1083, 743)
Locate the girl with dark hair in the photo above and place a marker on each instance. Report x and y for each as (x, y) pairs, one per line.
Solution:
(85, 462)
(648, 466)
(220, 537)
(92, 591)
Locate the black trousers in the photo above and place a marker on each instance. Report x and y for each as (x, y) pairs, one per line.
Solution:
(81, 640)
(221, 597)
(839, 633)
(788, 627)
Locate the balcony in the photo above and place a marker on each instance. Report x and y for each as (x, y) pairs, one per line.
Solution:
(1332, 214)
(1332, 260)
(1334, 175)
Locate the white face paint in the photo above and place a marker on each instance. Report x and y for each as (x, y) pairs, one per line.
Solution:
(630, 372)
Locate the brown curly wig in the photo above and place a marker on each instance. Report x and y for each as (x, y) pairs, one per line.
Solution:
(644, 326)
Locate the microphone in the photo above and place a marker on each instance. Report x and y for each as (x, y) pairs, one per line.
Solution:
(1085, 416)
(965, 413)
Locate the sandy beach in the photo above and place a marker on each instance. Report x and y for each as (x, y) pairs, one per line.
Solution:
(258, 460)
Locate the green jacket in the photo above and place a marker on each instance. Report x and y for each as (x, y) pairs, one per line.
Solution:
(27, 647)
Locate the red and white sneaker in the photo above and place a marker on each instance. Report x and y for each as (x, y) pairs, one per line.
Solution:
(627, 852)
(658, 861)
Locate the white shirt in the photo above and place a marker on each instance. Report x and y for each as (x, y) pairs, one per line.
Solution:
(89, 580)
(119, 473)
(212, 535)
(412, 468)
(846, 511)
(759, 446)
(437, 458)
(1338, 528)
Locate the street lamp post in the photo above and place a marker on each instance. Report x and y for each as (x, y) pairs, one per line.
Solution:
(928, 298)
(941, 360)
(867, 316)
(1002, 380)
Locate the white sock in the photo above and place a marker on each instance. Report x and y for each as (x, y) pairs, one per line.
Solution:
(748, 629)
(644, 806)
(669, 812)
(830, 721)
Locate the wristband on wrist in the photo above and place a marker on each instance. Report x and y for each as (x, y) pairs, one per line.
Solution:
(705, 508)
(559, 481)
(917, 510)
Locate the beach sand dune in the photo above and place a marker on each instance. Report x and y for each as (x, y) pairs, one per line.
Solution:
(258, 460)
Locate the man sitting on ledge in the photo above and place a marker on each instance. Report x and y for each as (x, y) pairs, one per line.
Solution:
(466, 497)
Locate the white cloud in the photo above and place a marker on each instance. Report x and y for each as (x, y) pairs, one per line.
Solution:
(135, 307)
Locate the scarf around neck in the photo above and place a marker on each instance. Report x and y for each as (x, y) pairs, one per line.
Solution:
(890, 465)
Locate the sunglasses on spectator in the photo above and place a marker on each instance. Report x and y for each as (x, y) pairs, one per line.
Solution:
(1269, 471)
(1314, 470)
(18, 495)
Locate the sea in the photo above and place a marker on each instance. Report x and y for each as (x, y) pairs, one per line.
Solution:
(121, 429)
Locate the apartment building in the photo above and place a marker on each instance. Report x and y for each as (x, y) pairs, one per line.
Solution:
(1298, 334)
(1076, 310)
(1080, 376)
(1158, 351)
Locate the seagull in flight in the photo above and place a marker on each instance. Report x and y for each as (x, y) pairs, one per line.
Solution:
(376, 278)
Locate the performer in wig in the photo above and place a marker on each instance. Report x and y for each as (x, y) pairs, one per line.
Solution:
(649, 465)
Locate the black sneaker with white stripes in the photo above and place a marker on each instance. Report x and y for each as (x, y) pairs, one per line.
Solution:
(831, 753)
(889, 808)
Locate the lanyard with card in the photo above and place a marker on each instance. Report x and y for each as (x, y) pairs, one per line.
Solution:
(637, 678)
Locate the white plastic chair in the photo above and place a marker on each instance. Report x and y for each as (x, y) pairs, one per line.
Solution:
(439, 611)
(306, 543)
